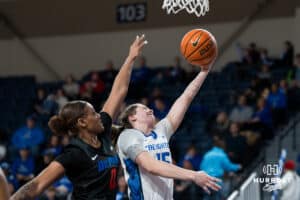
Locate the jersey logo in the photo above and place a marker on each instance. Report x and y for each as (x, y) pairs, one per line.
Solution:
(109, 162)
(94, 157)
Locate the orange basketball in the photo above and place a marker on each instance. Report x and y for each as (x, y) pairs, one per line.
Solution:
(199, 47)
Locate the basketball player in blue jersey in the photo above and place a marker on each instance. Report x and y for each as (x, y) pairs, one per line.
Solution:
(144, 150)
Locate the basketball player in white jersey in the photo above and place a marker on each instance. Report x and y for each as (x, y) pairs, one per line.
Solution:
(144, 151)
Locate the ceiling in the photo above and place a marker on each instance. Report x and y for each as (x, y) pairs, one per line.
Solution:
(41, 18)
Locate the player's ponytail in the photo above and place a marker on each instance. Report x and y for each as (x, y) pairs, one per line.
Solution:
(65, 123)
(58, 126)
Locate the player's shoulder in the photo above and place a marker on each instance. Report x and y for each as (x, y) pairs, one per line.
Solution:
(71, 150)
(71, 155)
(129, 137)
(128, 134)
(164, 123)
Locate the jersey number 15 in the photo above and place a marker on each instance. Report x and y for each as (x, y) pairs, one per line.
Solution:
(163, 156)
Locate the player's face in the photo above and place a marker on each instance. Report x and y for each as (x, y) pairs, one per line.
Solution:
(93, 120)
(144, 115)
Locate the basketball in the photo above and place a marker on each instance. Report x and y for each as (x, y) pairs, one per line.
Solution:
(199, 47)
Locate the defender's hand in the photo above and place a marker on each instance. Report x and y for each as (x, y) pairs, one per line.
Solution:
(137, 46)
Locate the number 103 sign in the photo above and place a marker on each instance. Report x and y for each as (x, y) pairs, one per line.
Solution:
(135, 12)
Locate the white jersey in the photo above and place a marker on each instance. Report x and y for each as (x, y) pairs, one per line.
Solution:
(141, 184)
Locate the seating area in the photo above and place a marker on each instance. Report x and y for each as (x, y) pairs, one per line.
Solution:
(217, 94)
(16, 97)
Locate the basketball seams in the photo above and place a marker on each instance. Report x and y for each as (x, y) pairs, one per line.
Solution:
(213, 51)
(202, 64)
(203, 43)
(188, 39)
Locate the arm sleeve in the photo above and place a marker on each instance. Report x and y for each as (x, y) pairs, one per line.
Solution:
(165, 126)
(229, 166)
(131, 143)
(107, 122)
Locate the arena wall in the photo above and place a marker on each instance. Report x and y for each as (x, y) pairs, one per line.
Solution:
(88, 49)
(80, 53)
(297, 28)
(55, 17)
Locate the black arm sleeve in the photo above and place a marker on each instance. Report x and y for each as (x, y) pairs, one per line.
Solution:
(107, 123)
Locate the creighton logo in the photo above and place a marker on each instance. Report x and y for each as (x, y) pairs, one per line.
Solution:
(272, 170)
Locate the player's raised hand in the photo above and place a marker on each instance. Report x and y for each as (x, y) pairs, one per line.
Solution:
(137, 46)
(207, 182)
(208, 67)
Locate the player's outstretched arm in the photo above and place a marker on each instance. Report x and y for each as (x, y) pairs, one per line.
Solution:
(121, 82)
(179, 108)
(3, 186)
(36, 186)
(153, 166)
